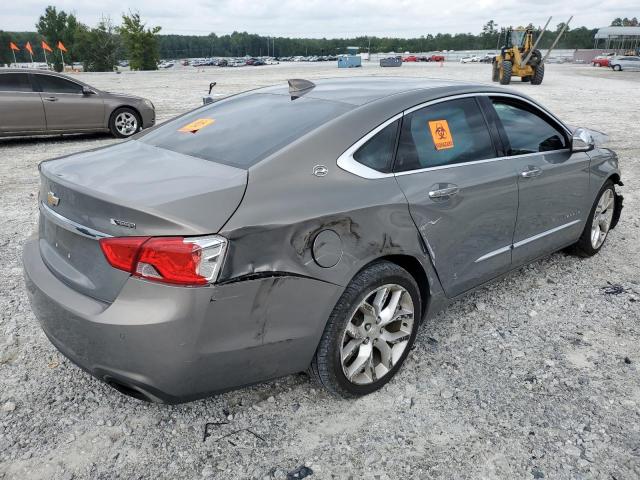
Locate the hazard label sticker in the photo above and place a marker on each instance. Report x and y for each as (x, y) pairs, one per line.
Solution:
(441, 134)
(196, 125)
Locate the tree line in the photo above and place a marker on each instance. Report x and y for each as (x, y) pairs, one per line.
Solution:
(100, 47)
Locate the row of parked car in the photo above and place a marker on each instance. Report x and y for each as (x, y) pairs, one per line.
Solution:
(436, 57)
(230, 62)
(617, 62)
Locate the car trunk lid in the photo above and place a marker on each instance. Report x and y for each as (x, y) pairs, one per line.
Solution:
(124, 190)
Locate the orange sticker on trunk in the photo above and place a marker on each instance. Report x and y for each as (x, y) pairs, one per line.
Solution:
(441, 134)
(196, 125)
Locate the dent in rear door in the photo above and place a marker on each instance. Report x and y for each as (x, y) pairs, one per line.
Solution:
(462, 198)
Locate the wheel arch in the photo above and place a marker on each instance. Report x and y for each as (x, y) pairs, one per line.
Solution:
(113, 112)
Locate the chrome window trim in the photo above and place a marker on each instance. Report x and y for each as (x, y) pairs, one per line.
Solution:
(70, 225)
(348, 163)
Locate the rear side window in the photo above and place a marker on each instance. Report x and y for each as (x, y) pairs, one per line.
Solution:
(527, 132)
(443, 134)
(377, 153)
(52, 84)
(240, 131)
(15, 82)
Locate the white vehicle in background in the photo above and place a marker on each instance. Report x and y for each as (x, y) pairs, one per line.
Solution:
(470, 59)
(626, 62)
(165, 64)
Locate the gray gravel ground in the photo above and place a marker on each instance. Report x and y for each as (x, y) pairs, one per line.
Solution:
(536, 376)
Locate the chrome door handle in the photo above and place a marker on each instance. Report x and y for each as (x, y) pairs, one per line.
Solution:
(532, 172)
(51, 99)
(444, 192)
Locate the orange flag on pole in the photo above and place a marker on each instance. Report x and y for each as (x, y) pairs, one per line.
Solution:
(46, 47)
(13, 47)
(61, 47)
(28, 48)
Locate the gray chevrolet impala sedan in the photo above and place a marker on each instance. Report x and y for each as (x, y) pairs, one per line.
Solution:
(303, 227)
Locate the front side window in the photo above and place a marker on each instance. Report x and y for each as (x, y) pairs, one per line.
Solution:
(443, 134)
(377, 152)
(51, 84)
(526, 131)
(15, 82)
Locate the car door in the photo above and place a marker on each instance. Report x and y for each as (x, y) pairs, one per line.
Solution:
(66, 107)
(553, 182)
(462, 196)
(21, 108)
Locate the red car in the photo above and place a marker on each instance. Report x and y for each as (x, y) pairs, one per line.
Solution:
(436, 58)
(602, 60)
(410, 58)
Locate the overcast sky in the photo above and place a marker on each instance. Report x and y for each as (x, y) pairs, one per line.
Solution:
(329, 18)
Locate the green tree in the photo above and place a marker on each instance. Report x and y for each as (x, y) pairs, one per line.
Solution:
(98, 46)
(5, 52)
(57, 26)
(616, 22)
(141, 43)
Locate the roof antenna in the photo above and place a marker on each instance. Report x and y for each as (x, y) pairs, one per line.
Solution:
(299, 86)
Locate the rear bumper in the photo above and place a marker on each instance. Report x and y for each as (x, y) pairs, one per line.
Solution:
(174, 344)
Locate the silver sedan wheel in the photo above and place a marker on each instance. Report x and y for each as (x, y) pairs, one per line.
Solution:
(602, 218)
(126, 123)
(377, 334)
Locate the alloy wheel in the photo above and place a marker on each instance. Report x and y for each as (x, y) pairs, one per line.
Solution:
(602, 217)
(126, 123)
(377, 334)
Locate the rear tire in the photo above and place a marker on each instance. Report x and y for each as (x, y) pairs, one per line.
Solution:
(603, 211)
(617, 68)
(124, 122)
(505, 73)
(361, 349)
(538, 75)
(495, 72)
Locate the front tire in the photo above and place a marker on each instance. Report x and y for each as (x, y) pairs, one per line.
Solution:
(505, 72)
(617, 68)
(124, 122)
(601, 219)
(369, 333)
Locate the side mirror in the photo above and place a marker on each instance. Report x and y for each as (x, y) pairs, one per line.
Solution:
(582, 141)
(87, 91)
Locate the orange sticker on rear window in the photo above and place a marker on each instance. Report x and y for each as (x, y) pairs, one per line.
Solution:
(196, 125)
(441, 134)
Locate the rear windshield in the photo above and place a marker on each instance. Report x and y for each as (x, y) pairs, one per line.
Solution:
(241, 131)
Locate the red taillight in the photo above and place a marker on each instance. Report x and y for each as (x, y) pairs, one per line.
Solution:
(177, 260)
(121, 252)
(171, 260)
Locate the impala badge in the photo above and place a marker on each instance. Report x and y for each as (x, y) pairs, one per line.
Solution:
(122, 223)
(52, 200)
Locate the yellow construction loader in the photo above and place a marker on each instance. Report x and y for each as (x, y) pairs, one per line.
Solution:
(520, 57)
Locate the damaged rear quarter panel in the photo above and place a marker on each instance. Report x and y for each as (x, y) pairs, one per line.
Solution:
(286, 206)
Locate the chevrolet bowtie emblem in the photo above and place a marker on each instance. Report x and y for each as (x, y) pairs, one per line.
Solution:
(52, 200)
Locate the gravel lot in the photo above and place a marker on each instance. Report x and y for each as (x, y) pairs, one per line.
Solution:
(536, 376)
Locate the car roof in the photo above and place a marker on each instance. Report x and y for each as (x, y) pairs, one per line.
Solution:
(361, 90)
(39, 70)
